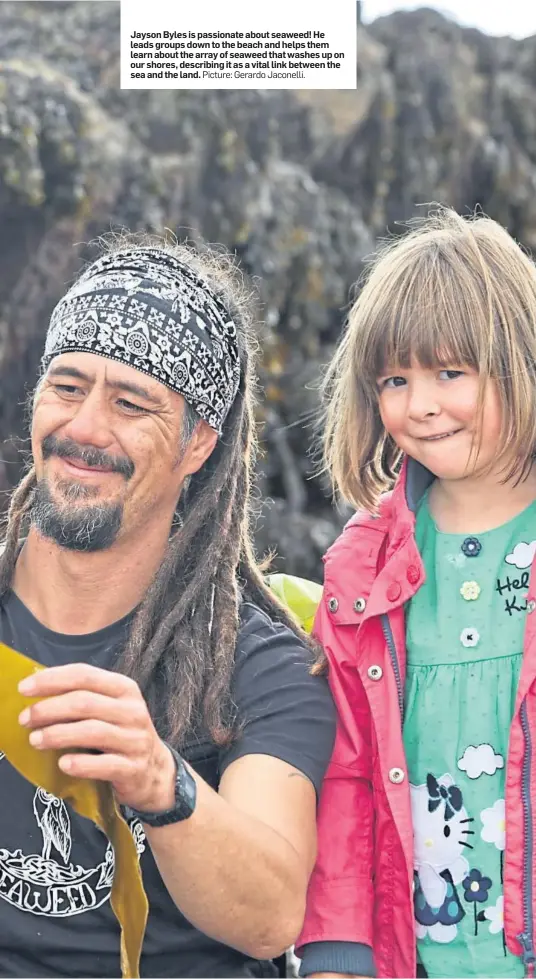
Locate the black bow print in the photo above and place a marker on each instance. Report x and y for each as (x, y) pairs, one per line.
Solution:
(451, 796)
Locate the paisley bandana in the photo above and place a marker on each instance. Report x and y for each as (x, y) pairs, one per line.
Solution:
(145, 308)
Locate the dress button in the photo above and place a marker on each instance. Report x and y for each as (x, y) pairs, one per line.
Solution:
(412, 574)
(374, 672)
(469, 637)
(531, 605)
(470, 590)
(396, 775)
(333, 604)
(471, 547)
(360, 604)
(394, 591)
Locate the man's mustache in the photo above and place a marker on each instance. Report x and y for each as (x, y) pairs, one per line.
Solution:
(89, 455)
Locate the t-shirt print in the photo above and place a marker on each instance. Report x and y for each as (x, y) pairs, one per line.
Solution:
(47, 881)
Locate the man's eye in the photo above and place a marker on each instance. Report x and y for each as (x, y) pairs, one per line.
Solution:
(66, 388)
(131, 407)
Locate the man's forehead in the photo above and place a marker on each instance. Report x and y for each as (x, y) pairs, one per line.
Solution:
(93, 369)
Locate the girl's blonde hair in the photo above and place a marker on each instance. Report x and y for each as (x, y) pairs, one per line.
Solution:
(454, 290)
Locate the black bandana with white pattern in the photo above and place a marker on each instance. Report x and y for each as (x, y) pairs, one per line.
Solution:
(149, 310)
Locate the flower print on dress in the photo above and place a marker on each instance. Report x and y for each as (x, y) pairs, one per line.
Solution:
(495, 916)
(471, 547)
(476, 889)
(470, 590)
(494, 825)
(476, 886)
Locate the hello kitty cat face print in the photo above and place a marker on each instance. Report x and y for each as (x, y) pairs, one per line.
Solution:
(441, 827)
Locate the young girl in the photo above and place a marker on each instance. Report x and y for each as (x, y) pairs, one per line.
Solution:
(427, 824)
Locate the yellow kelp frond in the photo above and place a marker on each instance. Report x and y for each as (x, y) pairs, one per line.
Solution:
(94, 800)
(301, 597)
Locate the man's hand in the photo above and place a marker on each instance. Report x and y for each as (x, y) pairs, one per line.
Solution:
(94, 710)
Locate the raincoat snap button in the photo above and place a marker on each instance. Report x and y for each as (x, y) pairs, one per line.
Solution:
(531, 605)
(394, 591)
(412, 574)
(333, 604)
(374, 672)
(360, 605)
(396, 775)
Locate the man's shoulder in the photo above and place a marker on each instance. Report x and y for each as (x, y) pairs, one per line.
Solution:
(282, 709)
(258, 629)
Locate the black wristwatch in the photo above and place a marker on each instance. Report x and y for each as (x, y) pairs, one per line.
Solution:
(185, 797)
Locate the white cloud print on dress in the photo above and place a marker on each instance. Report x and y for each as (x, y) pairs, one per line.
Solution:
(494, 824)
(523, 555)
(480, 760)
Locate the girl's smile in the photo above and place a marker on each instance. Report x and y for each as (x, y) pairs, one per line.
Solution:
(445, 435)
(431, 413)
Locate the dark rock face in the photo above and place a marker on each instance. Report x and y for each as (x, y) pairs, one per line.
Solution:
(299, 185)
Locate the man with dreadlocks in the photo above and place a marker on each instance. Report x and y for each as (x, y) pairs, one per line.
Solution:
(172, 673)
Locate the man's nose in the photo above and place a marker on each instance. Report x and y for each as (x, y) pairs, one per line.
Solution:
(90, 424)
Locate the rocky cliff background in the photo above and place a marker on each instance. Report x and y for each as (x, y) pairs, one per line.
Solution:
(299, 185)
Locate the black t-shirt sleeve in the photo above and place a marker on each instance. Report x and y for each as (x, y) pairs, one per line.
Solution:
(282, 709)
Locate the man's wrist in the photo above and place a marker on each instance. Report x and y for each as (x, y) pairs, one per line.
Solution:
(183, 801)
(160, 795)
(166, 774)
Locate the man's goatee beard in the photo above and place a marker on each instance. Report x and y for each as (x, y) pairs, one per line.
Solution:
(76, 528)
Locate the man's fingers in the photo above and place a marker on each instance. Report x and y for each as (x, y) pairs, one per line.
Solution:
(92, 735)
(82, 704)
(77, 676)
(106, 768)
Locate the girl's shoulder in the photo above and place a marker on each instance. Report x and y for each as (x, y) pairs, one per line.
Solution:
(362, 527)
(352, 560)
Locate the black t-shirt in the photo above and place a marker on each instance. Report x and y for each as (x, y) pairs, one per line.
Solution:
(56, 867)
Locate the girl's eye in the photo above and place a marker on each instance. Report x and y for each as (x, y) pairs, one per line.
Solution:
(451, 374)
(392, 382)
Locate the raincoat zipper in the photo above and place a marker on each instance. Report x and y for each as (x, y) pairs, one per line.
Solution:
(388, 634)
(526, 938)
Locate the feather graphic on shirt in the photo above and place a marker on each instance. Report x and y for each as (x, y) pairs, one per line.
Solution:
(107, 869)
(54, 823)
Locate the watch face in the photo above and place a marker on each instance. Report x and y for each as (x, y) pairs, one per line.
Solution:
(188, 789)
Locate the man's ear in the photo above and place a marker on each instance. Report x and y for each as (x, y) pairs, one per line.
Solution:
(199, 448)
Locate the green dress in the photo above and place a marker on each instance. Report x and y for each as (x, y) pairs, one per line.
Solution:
(465, 631)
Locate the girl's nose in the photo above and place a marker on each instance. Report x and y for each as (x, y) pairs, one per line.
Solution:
(423, 401)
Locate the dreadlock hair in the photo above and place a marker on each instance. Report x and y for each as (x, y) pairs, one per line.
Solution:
(181, 642)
